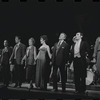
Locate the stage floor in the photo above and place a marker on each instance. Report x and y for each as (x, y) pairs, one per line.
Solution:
(24, 93)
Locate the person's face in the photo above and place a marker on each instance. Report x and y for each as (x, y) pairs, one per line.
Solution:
(30, 42)
(62, 36)
(78, 36)
(42, 41)
(17, 40)
(5, 43)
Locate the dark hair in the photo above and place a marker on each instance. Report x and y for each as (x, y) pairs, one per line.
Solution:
(81, 34)
(19, 37)
(32, 39)
(6, 41)
(44, 37)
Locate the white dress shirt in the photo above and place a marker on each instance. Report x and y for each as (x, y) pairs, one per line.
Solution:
(77, 49)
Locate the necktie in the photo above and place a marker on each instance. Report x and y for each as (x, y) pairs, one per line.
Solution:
(59, 44)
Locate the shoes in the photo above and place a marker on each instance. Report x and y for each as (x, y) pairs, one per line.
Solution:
(54, 90)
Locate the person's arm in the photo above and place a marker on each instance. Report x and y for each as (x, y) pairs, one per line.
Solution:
(2, 56)
(24, 58)
(48, 50)
(66, 53)
(23, 50)
(95, 48)
(12, 56)
(35, 55)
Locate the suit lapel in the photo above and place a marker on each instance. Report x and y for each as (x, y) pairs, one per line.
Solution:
(81, 44)
(18, 47)
(60, 47)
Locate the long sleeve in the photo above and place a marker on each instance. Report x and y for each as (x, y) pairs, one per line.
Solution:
(96, 47)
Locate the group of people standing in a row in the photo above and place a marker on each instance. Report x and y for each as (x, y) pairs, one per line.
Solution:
(37, 64)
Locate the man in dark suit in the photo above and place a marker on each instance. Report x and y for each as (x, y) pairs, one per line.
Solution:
(6, 53)
(59, 59)
(16, 57)
(79, 51)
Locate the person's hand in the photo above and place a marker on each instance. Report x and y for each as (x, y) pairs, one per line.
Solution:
(34, 62)
(93, 61)
(50, 63)
(22, 61)
(10, 62)
(24, 67)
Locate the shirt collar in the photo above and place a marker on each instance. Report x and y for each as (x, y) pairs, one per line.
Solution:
(61, 41)
(79, 41)
(18, 43)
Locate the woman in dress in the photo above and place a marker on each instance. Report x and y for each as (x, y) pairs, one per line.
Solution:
(43, 59)
(6, 53)
(29, 58)
(96, 58)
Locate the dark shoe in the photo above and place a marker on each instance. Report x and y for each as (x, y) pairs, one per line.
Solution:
(19, 86)
(63, 90)
(54, 90)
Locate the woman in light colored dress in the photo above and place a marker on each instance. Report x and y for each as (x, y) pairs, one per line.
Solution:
(29, 58)
(43, 61)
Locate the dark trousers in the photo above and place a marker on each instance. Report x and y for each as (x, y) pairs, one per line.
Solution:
(79, 75)
(18, 74)
(6, 74)
(63, 76)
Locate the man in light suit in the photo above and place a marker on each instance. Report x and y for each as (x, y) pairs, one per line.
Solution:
(79, 51)
(59, 59)
(16, 57)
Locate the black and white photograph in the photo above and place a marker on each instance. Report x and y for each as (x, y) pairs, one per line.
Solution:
(49, 49)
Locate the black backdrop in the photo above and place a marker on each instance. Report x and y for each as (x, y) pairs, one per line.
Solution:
(33, 19)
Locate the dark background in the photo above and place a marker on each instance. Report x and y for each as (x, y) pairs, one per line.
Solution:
(33, 19)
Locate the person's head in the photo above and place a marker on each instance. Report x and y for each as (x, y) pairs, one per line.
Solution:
(31, 41)
(43, 39)
(62, 36)
(79, 35)
(5, 43)
(17, 39)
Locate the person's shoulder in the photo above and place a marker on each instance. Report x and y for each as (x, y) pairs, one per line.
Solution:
(65, 43)
(22, 44)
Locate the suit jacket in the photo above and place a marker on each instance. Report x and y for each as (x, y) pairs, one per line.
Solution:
(61, 57)
(19, 53)
(84, 50)
(6, 55)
